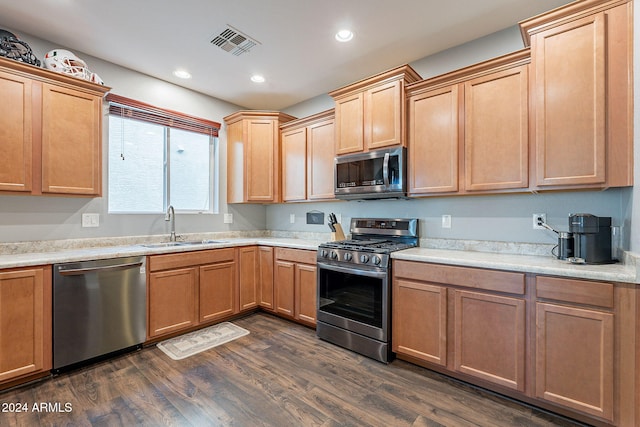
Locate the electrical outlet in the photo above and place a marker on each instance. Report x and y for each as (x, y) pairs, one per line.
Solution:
(228, 218)
(538, 220)
(446, 221)
(90, 220)
(292, 218)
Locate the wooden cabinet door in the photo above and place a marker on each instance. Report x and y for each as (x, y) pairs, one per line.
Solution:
(489, 338)
(236, 147)
(218, 296)
(433, 141)
(172, 301)
(420, 321)
(383, 116)
(284, 278)
(249, 279)
(262, 161)
(25, 322)
(320, 160)
(574, 358)
(496, 131)
(265, 254)
(306, 293)
(15, 133)
(570, 116)
(294, 165)
(349, 124)
(71, 141)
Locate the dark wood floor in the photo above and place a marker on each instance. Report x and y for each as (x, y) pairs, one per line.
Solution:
(278, 375)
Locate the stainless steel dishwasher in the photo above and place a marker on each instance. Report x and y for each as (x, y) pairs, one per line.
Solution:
(99, 307)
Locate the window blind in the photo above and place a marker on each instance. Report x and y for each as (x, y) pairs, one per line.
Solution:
(130, 108)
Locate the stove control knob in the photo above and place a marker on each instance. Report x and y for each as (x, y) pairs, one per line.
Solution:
(333, 255)
(364, 259)
(376, 260)
(348, 256)
(324, 253)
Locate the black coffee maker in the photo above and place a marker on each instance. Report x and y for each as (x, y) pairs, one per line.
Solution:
(591, 239)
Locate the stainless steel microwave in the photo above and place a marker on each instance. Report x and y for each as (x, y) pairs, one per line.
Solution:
(373, 175)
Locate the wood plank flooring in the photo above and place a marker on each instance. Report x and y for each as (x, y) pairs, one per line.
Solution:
(278, 375)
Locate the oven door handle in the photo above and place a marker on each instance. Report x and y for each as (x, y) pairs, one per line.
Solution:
(354, 271)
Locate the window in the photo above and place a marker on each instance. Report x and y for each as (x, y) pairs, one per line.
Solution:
(159, 158)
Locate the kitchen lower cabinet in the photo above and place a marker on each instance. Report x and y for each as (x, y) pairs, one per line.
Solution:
(295, 284)
(575, 344)
(248, 264)
(218, 297)
(489, 337)
(420, 320)
(25, 323)
(172, 301)
(189, 289)
(51, 132)
(563, 344)
(266, 278)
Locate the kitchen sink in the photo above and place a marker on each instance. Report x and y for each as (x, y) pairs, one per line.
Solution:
(185, 243)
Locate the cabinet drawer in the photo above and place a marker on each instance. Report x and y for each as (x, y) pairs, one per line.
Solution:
(296, 255)
(184, 259)
(499, 281)
(575, 291)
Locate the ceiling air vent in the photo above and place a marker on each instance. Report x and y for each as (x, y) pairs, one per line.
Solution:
(234, 41)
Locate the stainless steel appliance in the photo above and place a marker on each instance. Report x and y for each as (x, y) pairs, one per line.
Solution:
(354, 285)
(591, 239)
(373, 175)
(99, 307)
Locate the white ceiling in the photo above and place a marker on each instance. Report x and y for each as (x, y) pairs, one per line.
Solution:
(297, 54)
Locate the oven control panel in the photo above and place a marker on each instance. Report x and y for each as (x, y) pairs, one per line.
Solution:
(350, 257)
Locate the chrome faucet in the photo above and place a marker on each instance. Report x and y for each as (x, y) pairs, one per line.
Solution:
(171, 216)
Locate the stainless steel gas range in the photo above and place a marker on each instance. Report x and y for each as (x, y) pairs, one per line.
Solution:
(354, 285)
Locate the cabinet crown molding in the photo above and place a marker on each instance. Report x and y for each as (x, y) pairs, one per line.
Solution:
(308, 120)
(556, 16)
(404, 72)
(257, 114)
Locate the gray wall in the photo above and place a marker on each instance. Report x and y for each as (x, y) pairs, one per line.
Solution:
(29, 218)
(501, 217)
(505, 217)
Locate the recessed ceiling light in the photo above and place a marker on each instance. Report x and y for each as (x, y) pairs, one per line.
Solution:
(257, 78)
(182, 74)
(344, 35)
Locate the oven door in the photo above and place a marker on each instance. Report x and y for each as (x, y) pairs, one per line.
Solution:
(354, 299)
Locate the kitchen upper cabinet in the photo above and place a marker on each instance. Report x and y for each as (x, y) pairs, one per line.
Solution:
(468, 130)
(71, 135)
(308, 158)
(51, 132)
(15, 132)
(295, 284)
(253, 156)
(25, 322)
(582, 80)
(370, 114)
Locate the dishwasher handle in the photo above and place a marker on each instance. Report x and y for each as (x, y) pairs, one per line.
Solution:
(116, 267)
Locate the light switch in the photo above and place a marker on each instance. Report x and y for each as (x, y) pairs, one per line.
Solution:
(90, 220)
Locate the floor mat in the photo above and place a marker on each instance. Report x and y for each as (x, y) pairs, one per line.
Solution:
(194, 342)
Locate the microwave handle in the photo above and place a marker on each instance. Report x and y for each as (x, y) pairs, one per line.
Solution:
(385, 170)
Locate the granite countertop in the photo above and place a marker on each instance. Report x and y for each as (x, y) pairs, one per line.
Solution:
(491, 256)
(626, 271)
